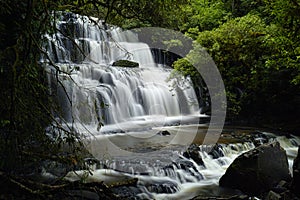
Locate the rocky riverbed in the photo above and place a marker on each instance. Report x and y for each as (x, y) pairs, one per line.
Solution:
(246, 162)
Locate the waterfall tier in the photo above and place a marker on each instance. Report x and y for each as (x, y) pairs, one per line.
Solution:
(84, 49)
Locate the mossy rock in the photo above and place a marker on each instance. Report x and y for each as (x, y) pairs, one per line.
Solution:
(125, 63)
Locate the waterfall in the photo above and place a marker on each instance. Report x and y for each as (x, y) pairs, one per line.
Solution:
(98, 93)
(91, 92)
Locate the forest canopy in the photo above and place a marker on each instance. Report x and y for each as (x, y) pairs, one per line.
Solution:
(255, 45)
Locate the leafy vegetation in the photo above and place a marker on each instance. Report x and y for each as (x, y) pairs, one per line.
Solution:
(255, 45)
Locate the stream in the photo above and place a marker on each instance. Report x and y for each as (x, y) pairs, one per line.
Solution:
(161, 169)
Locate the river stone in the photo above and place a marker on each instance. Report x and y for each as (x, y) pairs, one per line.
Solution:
(216, 151)
(296, 174)
(257, 170)
(164, 133)
(125, 63)
(193, 153)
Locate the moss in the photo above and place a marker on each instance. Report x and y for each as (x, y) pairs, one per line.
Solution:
(125, 63)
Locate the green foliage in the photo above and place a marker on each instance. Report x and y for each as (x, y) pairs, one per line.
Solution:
(201, 15)
(239, 8)
(258, 64)
(139, 13)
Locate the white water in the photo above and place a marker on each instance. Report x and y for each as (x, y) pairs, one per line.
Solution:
(98, 93)
(163, 170)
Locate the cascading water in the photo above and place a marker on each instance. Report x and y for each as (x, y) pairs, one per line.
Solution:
(92, 92)
(98, 93)
(182, 178)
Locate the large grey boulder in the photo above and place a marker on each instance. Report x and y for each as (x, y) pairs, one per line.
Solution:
(257, 171)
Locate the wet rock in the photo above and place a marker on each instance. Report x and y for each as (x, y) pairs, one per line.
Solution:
(234, 148)
(258, 170)
(183, 164)
(125, 63)
(188, 167)
(258, 138)
(126, 192)
(164, 133)
(273, 196)
(82, 194)
(281, 192)
(114, 131)
(281, 187)
(166, 187)
(193, 153)
(108, 79)
(216, 151)
(296, 175)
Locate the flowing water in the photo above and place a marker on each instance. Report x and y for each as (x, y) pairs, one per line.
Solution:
(134, 121)
(162, 170)
(99, 93)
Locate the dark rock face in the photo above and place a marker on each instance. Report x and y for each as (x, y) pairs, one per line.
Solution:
(258, 170)
(125, 63)
(193, 153)
(296, 175)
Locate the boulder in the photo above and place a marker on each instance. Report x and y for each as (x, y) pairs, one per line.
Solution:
(257, 171)
(296, 175)
(125, 63)
(193, 153)
(164, 133)
(216, 151)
